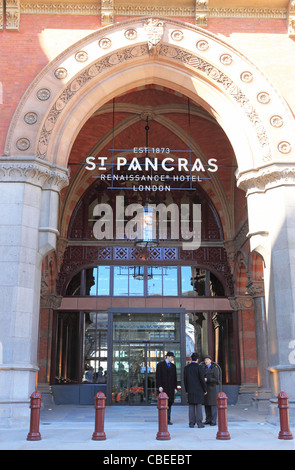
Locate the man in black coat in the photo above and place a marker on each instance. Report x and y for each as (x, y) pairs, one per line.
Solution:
(211, 376)
(195, 386)
(166, 380)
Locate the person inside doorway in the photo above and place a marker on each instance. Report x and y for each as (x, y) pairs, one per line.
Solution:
(101, 378)
(166, 380)
(89, 375)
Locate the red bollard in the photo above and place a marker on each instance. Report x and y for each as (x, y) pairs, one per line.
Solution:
(163, 434)
(99, 434)
(34, 434)
(222, 432)
(283, 405)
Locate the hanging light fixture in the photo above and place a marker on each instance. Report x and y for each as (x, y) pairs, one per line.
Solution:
(147, 228)
(139, 272)
(148, 220)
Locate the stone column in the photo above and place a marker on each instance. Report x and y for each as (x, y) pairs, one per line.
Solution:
(271, 212)
(255, 288)
(29, 191)
(244, 307)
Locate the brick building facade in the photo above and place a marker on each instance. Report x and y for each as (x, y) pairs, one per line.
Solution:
(175, 87)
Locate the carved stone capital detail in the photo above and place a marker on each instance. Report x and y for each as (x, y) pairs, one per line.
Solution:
(107, 12)
(241, 302)
(12, 14)
(202, 13)
(34, 172)
(52, 301)
(266, 178)
(255, 288)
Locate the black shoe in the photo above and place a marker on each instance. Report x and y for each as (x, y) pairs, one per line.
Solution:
(201, 425)
(206, 422)
(170, 422)
(191, 425)
(212, 424)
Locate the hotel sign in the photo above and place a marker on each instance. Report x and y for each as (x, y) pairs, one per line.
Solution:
(149, 169)
(172, 169)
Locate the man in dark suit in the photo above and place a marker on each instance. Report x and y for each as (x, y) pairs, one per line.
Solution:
(166, 380)
(195, 386)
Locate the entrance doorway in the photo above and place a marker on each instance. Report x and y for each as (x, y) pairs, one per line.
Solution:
(117, 351)
(140, 340)
(134, 371)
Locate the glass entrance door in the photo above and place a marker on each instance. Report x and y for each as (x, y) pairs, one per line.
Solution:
(138, 373)
(130, 373)
(139, 341)
(134, 371)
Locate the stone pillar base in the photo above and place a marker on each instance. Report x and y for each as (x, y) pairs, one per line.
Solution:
(246, 393)
(261, 399)
(15, 415)
(46, 394)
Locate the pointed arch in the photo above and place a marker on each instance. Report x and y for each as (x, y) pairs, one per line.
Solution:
(142, 51)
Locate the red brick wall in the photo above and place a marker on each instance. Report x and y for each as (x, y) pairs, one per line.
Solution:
(23, 55)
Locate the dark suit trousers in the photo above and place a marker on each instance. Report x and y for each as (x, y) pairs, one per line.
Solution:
(195, 414)
(169, 411)
(211, 413)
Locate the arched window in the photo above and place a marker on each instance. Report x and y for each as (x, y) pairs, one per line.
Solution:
(141, 280)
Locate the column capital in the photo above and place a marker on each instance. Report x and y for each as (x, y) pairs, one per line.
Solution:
(33, 171)
(255, 288)
(52, 301)
(241, 302)
(263, 179)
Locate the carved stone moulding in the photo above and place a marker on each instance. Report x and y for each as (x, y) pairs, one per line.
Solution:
(200, 10)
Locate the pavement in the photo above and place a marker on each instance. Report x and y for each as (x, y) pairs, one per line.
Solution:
(127, 429)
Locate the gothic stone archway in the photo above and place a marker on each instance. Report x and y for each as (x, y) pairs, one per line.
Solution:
(187, 59)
